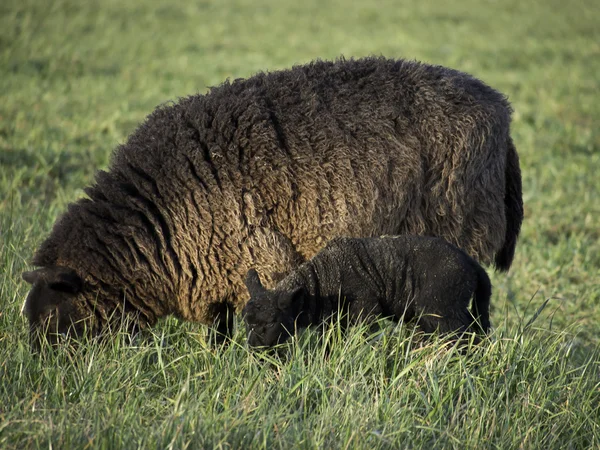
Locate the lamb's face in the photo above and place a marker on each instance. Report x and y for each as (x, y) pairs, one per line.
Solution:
(56, 307)
(269, 315)
(267, 324)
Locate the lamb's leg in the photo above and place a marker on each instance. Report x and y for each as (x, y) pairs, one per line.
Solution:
(451, 321)
(458, 325)
(447, 310)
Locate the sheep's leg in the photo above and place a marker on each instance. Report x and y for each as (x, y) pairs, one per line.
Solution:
(222, 328)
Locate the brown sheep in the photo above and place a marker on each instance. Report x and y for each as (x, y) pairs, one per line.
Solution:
(262, 173)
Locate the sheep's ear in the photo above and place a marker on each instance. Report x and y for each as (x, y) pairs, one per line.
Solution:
(32, 276)
(58, 278)
(253, 282)
(290, 299)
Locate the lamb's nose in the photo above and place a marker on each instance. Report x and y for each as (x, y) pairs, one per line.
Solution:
(250, 337)
(253, 339)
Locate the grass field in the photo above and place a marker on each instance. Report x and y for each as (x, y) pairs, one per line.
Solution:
(76, 77)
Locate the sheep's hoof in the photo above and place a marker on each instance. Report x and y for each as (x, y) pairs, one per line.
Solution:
(217, 338)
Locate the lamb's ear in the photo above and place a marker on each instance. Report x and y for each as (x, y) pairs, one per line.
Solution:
(58, 278)
(292, 299)
(253, 282)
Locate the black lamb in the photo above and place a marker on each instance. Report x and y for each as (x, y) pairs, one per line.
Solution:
(402, 277)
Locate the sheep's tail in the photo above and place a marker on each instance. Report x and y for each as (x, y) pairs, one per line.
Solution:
(513, 206)
(481, 298)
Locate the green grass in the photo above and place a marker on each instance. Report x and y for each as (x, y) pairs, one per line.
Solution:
(76, 77)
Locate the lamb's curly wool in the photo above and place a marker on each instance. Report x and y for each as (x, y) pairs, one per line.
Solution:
(263, 172)
(419, 278)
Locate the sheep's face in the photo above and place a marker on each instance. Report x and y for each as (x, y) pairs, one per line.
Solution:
(269, 315)
(56, 307)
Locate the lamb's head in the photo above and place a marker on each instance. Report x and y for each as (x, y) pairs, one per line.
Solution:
(269, 314)
(56, 305)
